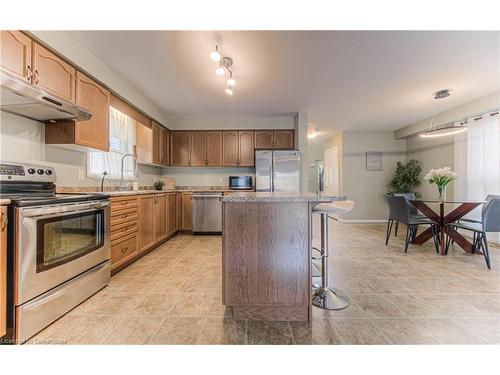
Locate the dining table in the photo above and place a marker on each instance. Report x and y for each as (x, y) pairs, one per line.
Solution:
(439, 216)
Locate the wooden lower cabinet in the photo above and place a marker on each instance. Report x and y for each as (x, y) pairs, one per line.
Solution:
(186, 211)
(146, 222)
(160, 217)
(124, 230)
(140, 222)
(171, 214)
(3, 271)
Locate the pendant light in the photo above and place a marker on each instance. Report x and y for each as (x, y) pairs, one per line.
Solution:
(225, 63)
(448, 129)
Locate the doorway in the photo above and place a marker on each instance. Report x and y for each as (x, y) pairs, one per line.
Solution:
(332, 171)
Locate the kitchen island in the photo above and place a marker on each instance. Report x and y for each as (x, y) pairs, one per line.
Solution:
(266, 254)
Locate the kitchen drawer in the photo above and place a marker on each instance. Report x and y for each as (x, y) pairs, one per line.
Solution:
(122, 203)
(123, 216)
(122, 230)
(123, 249)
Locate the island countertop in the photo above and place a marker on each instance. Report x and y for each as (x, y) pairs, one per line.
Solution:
(281, 197)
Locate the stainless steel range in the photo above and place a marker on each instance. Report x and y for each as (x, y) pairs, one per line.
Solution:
(58, 248)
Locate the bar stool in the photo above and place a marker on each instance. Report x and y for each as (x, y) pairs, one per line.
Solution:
(324, 296)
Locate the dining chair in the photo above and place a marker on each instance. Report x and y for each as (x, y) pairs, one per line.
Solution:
(400, 211)
(413, 210)
(490, 222)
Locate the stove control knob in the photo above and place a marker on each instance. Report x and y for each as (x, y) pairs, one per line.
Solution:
(48, 172)
(39, 171)
(31, 171)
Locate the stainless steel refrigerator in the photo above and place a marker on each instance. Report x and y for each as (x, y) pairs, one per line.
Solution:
(277, 170)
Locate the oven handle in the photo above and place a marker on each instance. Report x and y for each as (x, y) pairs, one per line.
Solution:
(64, 209)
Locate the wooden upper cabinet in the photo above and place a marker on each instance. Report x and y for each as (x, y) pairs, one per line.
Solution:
(214, 148)
(157, 143)
(264, 139)
(198, 149)
(166, 146)
(95, 98)
(246, 148)
(53, 74)
(180, 143)
(229, 148)
(144, 143)
(283, 138)
(15, 54)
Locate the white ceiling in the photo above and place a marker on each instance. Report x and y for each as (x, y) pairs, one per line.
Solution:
(347, 79)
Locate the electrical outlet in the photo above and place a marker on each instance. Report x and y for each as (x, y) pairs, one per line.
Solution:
(81, 174)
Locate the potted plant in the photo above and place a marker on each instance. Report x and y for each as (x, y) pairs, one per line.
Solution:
(158, 184)
(441, 177)
(405, 177)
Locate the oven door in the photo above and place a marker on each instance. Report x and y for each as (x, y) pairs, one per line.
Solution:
(57, 243)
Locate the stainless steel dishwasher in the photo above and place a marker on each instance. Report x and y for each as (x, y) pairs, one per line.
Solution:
(207, 212)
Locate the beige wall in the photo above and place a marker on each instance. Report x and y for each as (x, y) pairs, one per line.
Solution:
(232, 122)
(367, 188)
(431, 153)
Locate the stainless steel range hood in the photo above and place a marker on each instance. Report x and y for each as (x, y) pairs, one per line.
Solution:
(21, 98)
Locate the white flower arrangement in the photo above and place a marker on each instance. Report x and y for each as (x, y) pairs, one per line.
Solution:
(440, 176)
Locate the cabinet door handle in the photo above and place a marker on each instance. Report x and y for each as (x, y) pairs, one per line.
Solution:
(4, 221)
(29, 73)
(124, 250)
(37, 77)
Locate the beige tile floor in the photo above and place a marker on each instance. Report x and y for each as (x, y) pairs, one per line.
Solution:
(173, 296)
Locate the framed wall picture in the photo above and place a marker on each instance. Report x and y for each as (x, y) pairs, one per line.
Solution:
(374, 161)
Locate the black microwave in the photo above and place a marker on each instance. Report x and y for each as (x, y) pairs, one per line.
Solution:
(240, 182)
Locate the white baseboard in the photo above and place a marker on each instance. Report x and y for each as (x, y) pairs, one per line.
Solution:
(364, 221)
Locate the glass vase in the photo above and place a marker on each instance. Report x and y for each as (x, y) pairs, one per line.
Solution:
(442, 193)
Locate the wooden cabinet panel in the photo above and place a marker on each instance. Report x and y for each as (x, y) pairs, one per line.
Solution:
(144, 146)
(172, 213)
(3, 270)
(15, 52)
(166, 146)
(53, 74)
(157, 143)
(187, 214)
(146, 222)
(180, 143)
(198, 149)
(264, 139)
(214, 148)
(123, 250)
(245, 148)
(160, 217)
(283, 138)
(229, 148)
(95, 98)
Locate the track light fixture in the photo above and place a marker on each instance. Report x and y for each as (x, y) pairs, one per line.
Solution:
(225, 64)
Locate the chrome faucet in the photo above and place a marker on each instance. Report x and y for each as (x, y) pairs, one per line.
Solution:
(135, 170)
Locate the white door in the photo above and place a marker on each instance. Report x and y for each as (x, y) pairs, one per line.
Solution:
(332, 171)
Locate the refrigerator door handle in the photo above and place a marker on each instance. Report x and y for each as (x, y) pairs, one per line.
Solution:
(273, 177)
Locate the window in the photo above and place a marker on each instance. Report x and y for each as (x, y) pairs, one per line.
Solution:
(477, 161)
(121, 142)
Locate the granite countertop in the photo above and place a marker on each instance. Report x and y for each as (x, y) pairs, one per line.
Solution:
(4, 202)
(281, 197)
(118, 193)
